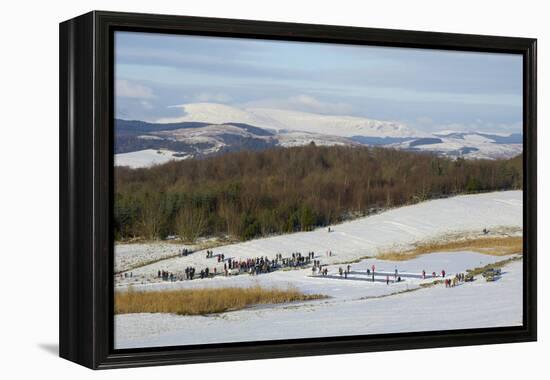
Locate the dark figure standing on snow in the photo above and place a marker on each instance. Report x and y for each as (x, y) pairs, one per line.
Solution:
(387, 280)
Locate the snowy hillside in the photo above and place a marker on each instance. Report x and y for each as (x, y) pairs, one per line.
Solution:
(199, 140)
(369, 235)
(471, 145)
(146, 158)
(277, 119)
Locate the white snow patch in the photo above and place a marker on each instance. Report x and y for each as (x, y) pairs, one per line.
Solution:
(146, 158)
(149, 137)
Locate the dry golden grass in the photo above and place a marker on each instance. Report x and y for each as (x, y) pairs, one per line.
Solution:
(498, 264)
(496, 246)
(204, 301)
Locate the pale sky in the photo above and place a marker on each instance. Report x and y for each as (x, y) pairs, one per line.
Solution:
(427, 89)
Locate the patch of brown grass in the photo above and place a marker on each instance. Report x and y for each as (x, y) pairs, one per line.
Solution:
(496, 246)
(498, 264)
(205, 300)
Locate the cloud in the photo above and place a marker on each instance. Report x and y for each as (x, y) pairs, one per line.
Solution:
(146, 105)
(213, 97)
(482, 126)
(304, 103)
(312, 104)
(426, 89)
(128, 89)
(424, 120)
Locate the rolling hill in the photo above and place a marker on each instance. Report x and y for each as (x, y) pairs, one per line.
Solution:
(206, 129)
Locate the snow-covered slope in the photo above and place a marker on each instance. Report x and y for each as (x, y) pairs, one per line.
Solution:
(471, 145)
(146, 158)
(294, 138)
(213, 138)
(202, 140)
(278, 119)
(369, 235)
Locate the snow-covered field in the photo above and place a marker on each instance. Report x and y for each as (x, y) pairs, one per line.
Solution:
(356, 306)
(351, 309)
(368, 236)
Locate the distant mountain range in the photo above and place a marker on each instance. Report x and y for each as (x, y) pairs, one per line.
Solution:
(206, 129)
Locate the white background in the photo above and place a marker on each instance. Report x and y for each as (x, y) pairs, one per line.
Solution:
(29, 191)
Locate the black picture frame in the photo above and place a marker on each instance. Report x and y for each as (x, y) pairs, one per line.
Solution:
(86, 188)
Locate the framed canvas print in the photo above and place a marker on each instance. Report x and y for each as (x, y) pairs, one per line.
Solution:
(238, 189)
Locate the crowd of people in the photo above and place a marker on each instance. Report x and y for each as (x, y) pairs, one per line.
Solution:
(253, 266)
(452, 282)
(317, 268)
(188, 274)
(166, 276)
(263, 264)
(344, 272)
(297, 259)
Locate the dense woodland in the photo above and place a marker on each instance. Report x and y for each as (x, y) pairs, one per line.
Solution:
(251, 194)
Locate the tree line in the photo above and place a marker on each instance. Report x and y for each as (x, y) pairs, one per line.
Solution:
(250, 194)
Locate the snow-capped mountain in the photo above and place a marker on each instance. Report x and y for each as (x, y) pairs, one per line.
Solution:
(281, 120)
(205, 129)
